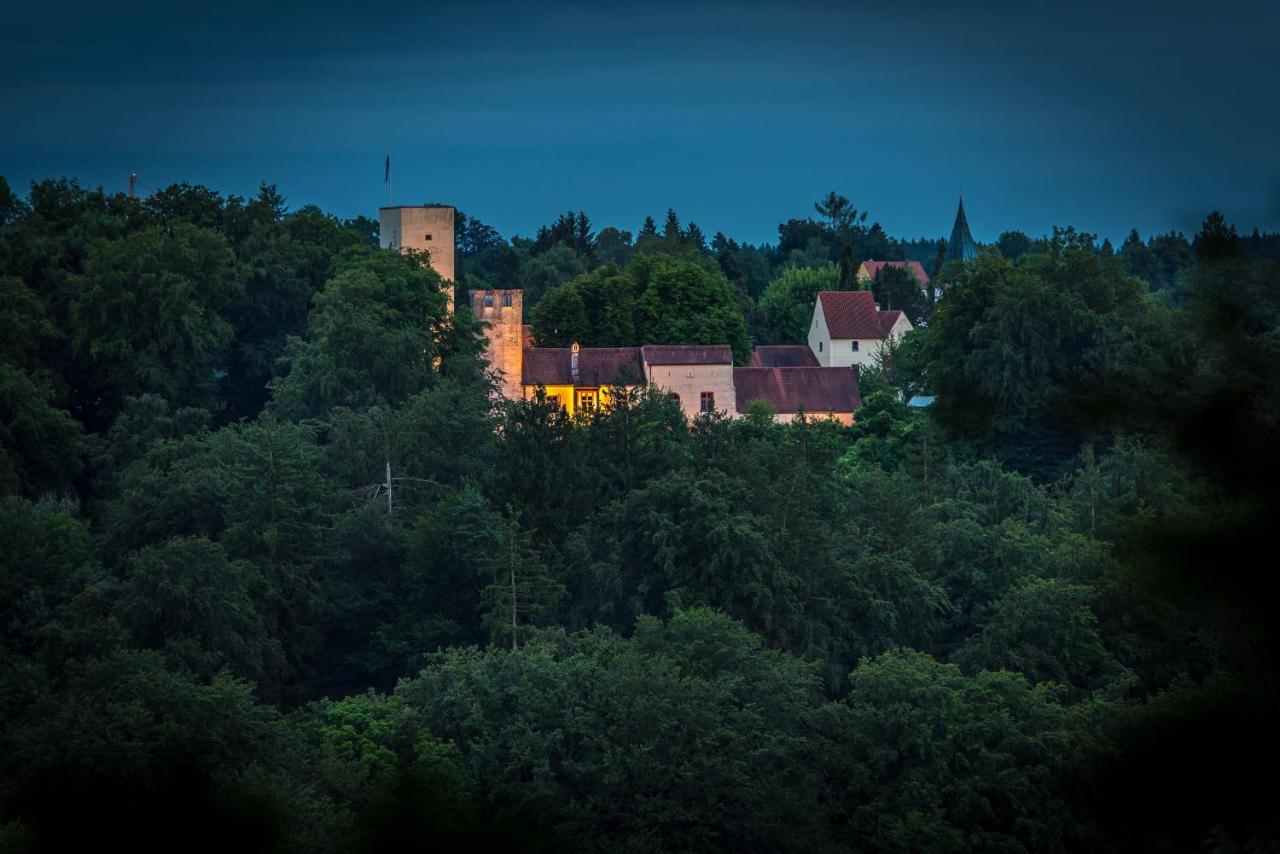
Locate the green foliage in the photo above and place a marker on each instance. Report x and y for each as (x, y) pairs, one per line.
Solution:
(263, 514)
(786, 307)
(656, 300)
(948, 763)
(681, 302)
(897, 289)
(371, 338)
(149, 312)
(520, 592)
(1045, 630)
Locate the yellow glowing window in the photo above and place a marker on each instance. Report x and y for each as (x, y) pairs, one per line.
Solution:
(587, 400)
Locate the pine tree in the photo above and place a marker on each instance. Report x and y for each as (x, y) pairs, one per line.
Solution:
(671, 230)
(694, 237)
(522, 589)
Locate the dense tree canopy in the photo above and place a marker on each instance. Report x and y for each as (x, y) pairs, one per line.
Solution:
(282, 572)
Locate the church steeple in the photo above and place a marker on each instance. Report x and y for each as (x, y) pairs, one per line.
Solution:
(962, 246)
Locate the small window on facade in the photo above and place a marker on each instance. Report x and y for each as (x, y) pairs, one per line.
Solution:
(708, 401)
(819, 346)
(488, 300)
(586, 400)
(855, 346)
(428, 237)
(506, 300)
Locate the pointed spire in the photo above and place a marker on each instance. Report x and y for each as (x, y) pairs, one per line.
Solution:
(962, 246)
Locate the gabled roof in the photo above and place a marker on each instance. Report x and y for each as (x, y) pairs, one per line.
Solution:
(687, 354)
(874, 267)
(597, 366)
(851, 314)
(546, 366)
(962, 246)
(887, 319)
(783, 356)
(791, 390)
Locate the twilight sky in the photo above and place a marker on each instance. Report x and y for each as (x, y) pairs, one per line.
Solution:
(1105, 116)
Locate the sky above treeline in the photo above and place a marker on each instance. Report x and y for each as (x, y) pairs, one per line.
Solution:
(1105, 116)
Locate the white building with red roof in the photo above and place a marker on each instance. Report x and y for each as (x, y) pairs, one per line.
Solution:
(848, 328)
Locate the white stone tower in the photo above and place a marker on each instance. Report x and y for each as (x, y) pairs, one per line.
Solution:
(422, 228)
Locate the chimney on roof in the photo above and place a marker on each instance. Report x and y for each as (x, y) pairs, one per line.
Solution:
(573, 362)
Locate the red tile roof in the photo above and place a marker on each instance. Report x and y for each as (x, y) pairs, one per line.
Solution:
(597, 366)
(851, 314)
(887, 319)
(874, 267)
(546, 366)
(791, 390)
(783, 356)
(687, 354)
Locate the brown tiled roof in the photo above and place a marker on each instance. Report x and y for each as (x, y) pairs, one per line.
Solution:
(597, 366)
(874, 267)
(850, 314)
(688, 354)
(790, 390)
(546, 366)
(783, 356)
(887, 319)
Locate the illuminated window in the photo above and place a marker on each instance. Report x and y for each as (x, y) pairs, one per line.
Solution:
(708, 401)
(506, 300)
(586, 400)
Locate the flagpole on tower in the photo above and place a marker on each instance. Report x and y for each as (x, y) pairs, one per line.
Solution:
(388, 178)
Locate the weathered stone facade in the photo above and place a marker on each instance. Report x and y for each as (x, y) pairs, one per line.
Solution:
(503, 310)
(422, 228)
(701, 378)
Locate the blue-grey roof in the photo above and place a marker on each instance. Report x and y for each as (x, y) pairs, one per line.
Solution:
(961, 246)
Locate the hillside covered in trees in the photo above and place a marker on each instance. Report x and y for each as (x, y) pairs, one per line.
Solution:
(282, 572)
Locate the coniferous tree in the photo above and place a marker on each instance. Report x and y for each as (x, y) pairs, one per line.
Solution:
(522, 590)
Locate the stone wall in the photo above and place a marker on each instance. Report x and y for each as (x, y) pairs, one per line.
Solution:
(690, 381)
(504, 348)
(422, 228)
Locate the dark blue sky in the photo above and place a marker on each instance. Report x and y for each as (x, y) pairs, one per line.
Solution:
(1103, 116)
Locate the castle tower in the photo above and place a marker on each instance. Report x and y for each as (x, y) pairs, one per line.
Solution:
(503, 310)
(422, 228)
